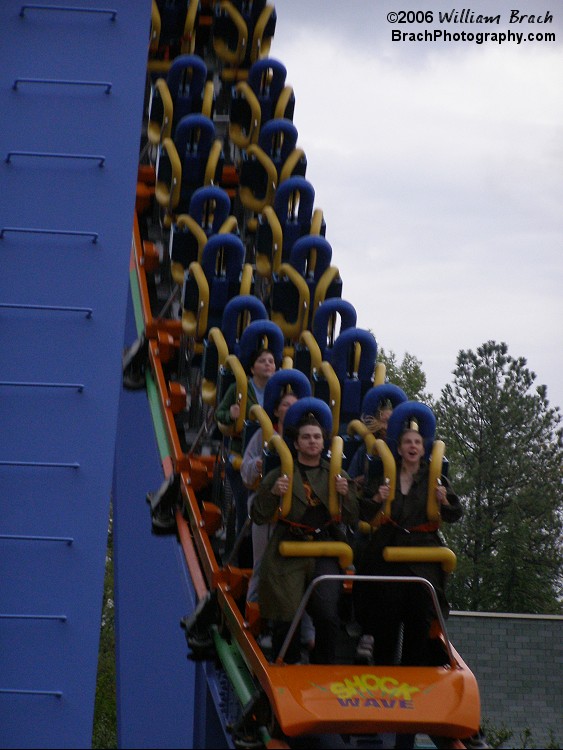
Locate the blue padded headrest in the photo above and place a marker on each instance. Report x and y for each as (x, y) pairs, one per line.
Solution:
(201, 198)
(341, 353)
(301, 250)
(233, 255)
(384, 392)
(252, 339)
(270, 70)
(324, 313)
(176, 74)
(235, 307)
(300, 408)
(402, 415)
(269, 137)
(183, 135)
(300, 386)
(284, 194)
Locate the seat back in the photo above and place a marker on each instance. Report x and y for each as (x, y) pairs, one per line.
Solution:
(325, 323)
(266, 77)
(379, 394)
(378, 397)
(194, 137)
(186, 79)
(280, 382)
(192, 159)
(222, 262)
(210, 206)
(269, 161)
(223, 257)
(208, 212)
(311, 256)
(209, 285)
(278, 138)
(281, 225)
(240, 312)
(168, 22)
(293, 205)
(354, 354)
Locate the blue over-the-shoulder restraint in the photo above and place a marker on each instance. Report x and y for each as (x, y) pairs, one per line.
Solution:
(401, 418)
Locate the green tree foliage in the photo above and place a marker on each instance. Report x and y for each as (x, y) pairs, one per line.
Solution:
(105, 708)
(407, 374)
(504, 444)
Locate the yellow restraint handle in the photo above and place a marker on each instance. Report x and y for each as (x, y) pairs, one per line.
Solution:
(186, 222)
(379, 374)
(221, 47)
(237, 134)
(283, 102)
(307, 339)
(264, 263)
(167, 193)
(434, 474)
(380, 447)
(357, 427)
(323, 284)
(277, 443)
(233, 363)
(194, 322)
(293, 330)
(289, 165)
(158, 130)
(335, 393)
(260, 44)
(389, 469)
(341, 550)
(247, 196)
(258, 414)
(336, 450)
(443, 555)
(209, 387)
(212, 164)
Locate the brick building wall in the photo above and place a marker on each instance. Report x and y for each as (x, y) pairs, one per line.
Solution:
(518, 663)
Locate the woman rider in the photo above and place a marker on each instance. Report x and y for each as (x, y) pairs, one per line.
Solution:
(382, 608)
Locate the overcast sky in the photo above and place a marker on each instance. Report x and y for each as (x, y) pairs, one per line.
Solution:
(439, 168)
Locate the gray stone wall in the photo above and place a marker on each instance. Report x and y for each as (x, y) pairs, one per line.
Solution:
(518, 663)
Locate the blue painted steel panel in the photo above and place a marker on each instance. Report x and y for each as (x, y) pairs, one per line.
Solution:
(62, 313)
(153, 591)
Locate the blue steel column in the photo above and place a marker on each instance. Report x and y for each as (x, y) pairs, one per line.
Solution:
(155, 680)
(72, 86)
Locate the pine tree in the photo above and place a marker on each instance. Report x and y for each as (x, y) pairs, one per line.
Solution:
(504, 444)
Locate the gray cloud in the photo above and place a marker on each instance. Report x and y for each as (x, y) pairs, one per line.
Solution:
(439, 169)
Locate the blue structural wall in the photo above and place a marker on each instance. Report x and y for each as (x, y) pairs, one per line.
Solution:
(72, 86)
(155, 681)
